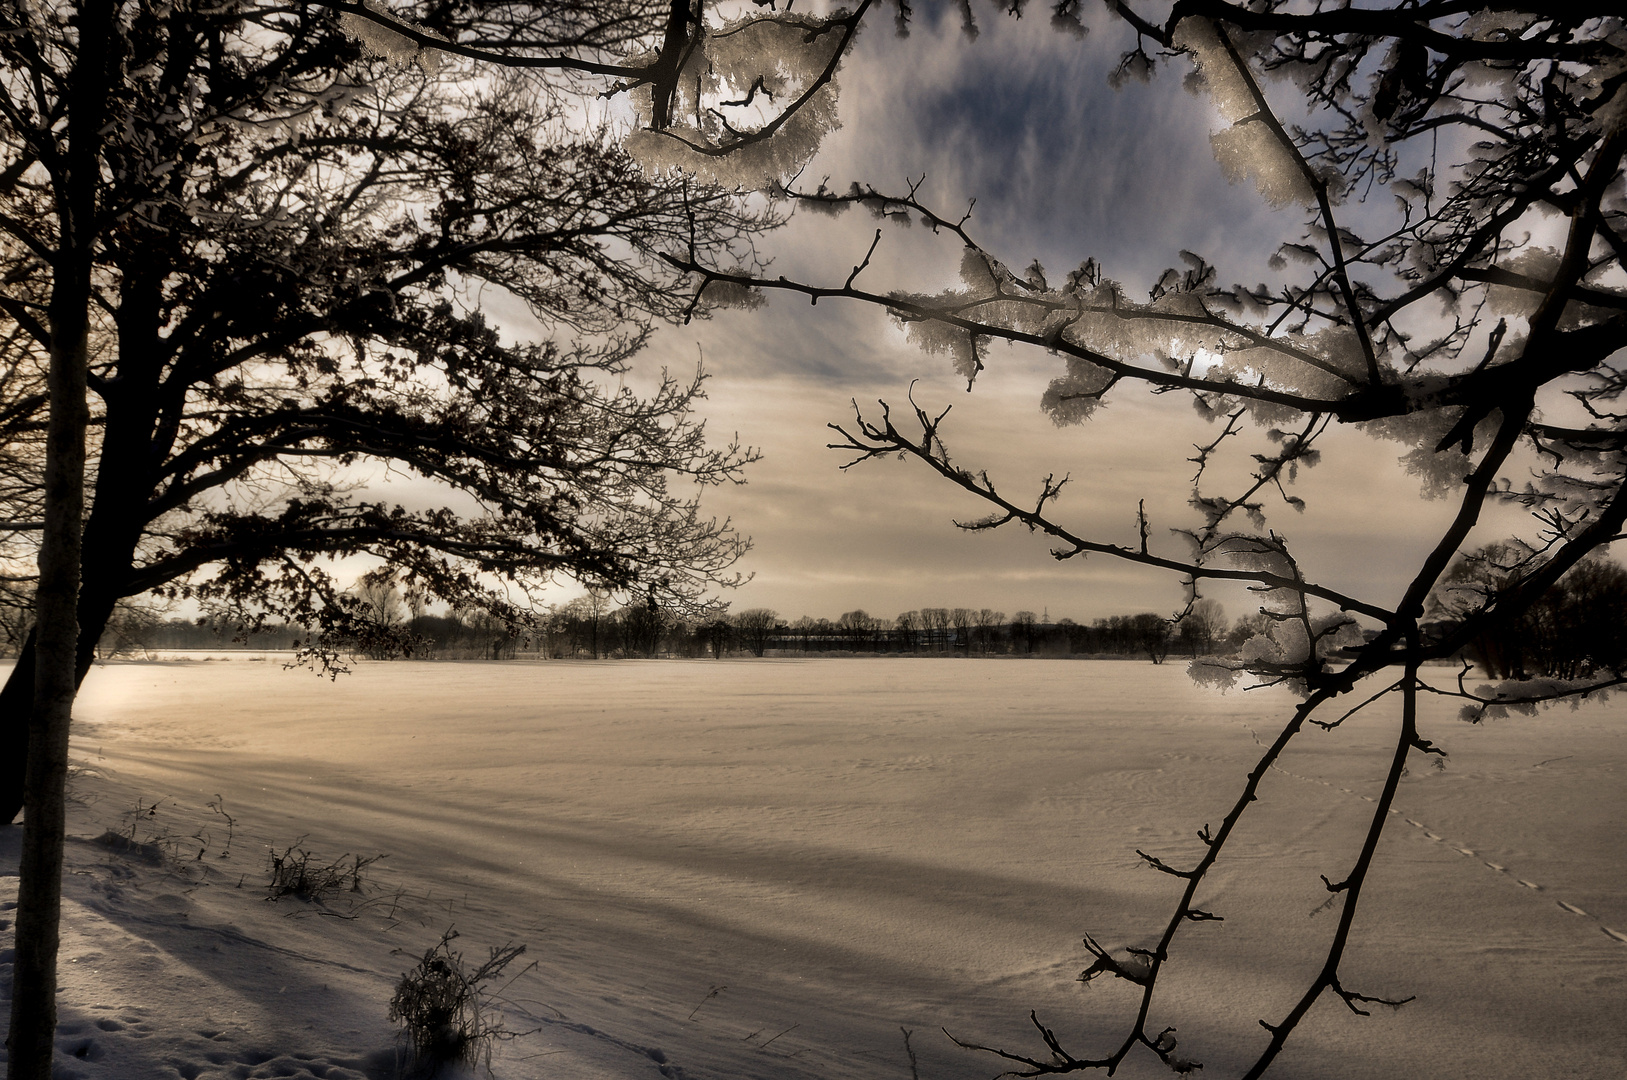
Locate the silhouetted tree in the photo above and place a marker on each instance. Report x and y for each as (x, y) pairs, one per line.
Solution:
(1577, 627)
(1022, 630)
(935, 627)
(266, 231)
(804, 629)
(857, 627)
(641, 626)
(986, 627)
(754, 627)
(271, 264)
(1150, 633)
(717, 633)
(1201, 625)
(908, 626)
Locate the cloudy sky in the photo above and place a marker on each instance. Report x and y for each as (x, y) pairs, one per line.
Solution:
(1062, 167)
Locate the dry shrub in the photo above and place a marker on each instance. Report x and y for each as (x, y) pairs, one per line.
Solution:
(296, 872)
(445, 1010)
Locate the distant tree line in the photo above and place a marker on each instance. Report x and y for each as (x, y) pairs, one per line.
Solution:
(1577, 628)
(397, 624)
(984, 632)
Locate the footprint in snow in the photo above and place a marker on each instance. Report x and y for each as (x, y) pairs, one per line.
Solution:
(1614, 935)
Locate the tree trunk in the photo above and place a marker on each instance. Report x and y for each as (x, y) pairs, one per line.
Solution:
(17, 697)
(16, 705)
(56, 638)
(39, 892)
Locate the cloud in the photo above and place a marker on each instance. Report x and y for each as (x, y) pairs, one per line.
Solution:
(1061, 165)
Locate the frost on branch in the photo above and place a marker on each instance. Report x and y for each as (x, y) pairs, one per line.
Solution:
(1324, 364)
(1524, 697)
(1074, 397)
(751, 165)
(1381, 315)
(941, 338)
(1216, 73)
(1440, 472)
(379, 40)
(1248, 146)
(733, 120)
(730, 294)
(1222, 675)
(1536, 263)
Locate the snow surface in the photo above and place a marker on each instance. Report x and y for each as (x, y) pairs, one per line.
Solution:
(763, 869)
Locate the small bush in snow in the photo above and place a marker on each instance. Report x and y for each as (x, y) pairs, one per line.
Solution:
(445, 1009)
(296, 872)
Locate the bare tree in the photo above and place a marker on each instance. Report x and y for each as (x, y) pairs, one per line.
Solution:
(381, 598)
(717, 633)
(908, 625)
(239, 352)
(961, 620)
(1022, 629)
(1150, 633)
(1574, 629)
(935, 626)
(131, 631)
(1521, 239)
(988, 623)
(641, 626)
(246, 240)
(804, 628)
(1201, 625)
(755, 626)
(857, 627)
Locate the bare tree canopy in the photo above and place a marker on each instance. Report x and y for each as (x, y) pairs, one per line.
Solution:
(286, 263)
(755, 627)
(254, 255)
(1456, 284)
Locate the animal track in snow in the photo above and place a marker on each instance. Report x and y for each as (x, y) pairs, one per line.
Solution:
(1615, 935)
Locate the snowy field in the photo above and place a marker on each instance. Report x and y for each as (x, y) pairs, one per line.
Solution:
(763, 869)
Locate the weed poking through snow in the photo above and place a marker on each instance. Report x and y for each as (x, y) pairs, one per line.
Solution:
(446, 1011)
(296, 872)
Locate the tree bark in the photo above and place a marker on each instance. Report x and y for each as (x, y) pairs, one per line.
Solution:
(56, 638)
(16, 706)
(17, 695)
(39, 892)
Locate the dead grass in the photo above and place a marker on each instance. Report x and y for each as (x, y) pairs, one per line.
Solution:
(297, 873)
(447, 1012)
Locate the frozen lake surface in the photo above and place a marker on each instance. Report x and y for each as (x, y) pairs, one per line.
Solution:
(837, 848)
